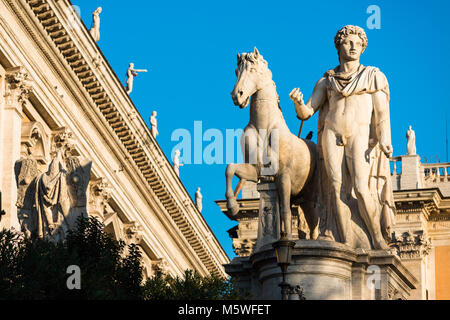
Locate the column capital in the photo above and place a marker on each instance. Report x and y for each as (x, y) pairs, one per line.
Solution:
(18, 86)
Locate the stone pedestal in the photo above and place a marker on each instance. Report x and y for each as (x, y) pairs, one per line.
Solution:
(411, 177)
(326, 271)
(269, 216)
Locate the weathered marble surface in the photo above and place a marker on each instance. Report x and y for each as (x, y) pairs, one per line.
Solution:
(270, 150)
(354, 145)
(49, 203)
(326, 270)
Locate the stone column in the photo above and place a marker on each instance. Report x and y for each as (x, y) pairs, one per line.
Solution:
(17, 89)
(411, 176)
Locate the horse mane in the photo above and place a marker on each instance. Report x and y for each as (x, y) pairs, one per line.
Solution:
(251, 57)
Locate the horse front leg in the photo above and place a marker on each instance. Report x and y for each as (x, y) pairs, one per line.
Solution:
(245, 172)
(284, 193)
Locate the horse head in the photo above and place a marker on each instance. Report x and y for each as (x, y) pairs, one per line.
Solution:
(252, 75)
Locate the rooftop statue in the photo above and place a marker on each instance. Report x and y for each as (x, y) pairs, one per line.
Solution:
(411, 145)
(176, 162)
(154, 124)
(95, 29)
(131, 73)
(198, 200)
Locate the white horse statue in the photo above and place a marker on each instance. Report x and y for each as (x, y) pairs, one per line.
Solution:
(268, 140)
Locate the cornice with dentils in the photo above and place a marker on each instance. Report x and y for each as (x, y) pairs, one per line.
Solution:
(183, 212)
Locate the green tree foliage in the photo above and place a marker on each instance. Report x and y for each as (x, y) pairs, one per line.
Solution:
(191, 286)
(36, 269)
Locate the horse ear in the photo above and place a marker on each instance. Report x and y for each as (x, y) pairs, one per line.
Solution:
(256, 52)
(238, 57)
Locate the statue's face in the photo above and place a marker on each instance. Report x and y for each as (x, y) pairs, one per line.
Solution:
(351, 48)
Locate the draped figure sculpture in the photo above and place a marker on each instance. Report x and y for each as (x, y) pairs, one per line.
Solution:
(354, 145)
(95, 29)
(50, 203)
(411, 139)
(154, 124)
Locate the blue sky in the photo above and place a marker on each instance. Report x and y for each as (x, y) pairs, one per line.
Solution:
(190, 50)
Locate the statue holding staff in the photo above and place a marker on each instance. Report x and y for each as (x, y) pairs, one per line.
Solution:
(354, 144)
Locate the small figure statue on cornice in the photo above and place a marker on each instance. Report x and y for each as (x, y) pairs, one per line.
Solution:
(198, 200)
(176, 162)
(95, 29)
(131, 73)
(411, 146)
(154, 124)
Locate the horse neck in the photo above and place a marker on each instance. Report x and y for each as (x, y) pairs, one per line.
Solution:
(267, 97)
(267, 93)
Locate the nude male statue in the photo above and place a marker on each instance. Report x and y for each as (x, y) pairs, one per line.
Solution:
(353, 103)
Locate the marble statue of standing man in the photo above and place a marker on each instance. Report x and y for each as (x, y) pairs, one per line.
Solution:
(354, 142)
(411, 146)
(176, 162)
(198, 200)
(154, 124)
(95, 29)
(131, 73)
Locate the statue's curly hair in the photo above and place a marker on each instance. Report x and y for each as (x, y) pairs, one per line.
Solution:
(347, 30)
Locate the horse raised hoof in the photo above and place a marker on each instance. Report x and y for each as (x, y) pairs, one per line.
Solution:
(233, 207)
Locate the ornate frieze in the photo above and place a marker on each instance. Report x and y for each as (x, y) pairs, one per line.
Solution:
(160, 265)
(18, 86)
(99, 194)
(63, 140)
(244, 247)
(133, 232)
(411, 245)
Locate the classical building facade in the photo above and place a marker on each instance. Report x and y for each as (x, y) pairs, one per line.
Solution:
(422, 226)
(73, 143)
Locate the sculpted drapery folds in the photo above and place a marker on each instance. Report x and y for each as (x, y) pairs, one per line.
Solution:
(49, 203)
(354, 144)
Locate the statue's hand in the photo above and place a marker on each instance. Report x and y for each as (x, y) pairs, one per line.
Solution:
(387, 149)
(297, 97)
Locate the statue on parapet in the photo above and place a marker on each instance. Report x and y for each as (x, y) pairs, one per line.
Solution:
(131, 73)
(411, 142)
(176, 162)
(95, 29)
(199, 200)
(154, 125)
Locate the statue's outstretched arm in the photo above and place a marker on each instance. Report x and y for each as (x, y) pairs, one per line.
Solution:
(306, 111)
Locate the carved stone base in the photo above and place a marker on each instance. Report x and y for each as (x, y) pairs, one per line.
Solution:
(325, 271)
